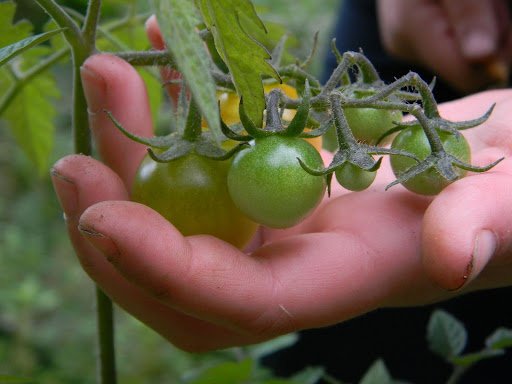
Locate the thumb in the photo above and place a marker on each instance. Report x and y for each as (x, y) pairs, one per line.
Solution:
(466, 233)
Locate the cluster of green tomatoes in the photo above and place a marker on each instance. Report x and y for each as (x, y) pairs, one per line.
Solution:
(275, 176)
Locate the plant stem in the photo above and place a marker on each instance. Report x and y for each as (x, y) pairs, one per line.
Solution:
(104, 312)
(90, 26)
(457, 373)
(80, 116)
(82, 45)
(73, 34)
(146, 58)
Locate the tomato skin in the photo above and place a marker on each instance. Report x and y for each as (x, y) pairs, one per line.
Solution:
(353, 178)
(369, 124)
(414, 140)
(191, 192)
(268, 184)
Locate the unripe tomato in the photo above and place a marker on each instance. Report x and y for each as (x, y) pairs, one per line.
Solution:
(369, 124)
(354, 178)
(268, 184)
(413, 140)
(191, 192)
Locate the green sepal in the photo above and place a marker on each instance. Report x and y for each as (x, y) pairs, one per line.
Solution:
(218, 153)
(298, 123)
(324, 127)
(11, 51)
(231, 134)
(160, 142)
(176, 150)
(249, 125)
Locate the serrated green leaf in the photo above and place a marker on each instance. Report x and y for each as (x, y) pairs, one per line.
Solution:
(10, 33)
(377, 374)
(11, 51)
(446, 335)
(226, 373)
(246, 59)
(501, 338)
(472, 358)
(31, 113)
(57, 42)
(178, 21)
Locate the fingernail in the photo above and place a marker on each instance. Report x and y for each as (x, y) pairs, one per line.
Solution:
(101, 242)
(483, 249)
(477, 45)
(66, 192)
(95, 89)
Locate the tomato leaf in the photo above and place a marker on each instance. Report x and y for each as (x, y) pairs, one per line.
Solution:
(9, 32)
(178, 21)
(499, 339)
(377, 374)
(30, 113)
(246, 59)
(446, 335)
(11, 51)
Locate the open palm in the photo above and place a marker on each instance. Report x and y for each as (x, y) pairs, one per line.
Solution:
(357, 252)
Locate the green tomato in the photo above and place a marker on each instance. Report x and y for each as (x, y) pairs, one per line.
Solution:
(414, 140)
(268, 184)
(369, 124)
(191, 192)
(354, 178)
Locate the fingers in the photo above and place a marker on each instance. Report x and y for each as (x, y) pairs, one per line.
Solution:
(475, 25)
(466, 233)
(80, 182)
(295, 282)
(482, 30)
(112, 84)
(198, 275)
(422, 32)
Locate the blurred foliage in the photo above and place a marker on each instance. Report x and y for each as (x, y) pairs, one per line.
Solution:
(47, 322)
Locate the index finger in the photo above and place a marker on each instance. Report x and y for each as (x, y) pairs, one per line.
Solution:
(112, 84)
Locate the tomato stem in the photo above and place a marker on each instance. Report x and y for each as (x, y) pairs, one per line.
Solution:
(273, 120)
(344, 134)
(192, 130)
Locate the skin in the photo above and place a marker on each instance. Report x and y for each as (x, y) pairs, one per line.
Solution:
(202, 293)
(466, 42)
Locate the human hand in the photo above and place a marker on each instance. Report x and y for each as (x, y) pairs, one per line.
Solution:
(357, 252)
(468, 43)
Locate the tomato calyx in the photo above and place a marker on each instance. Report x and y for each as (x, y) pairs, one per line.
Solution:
(189, 138)
(439, 159)
(274, 121)
(350, 150)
